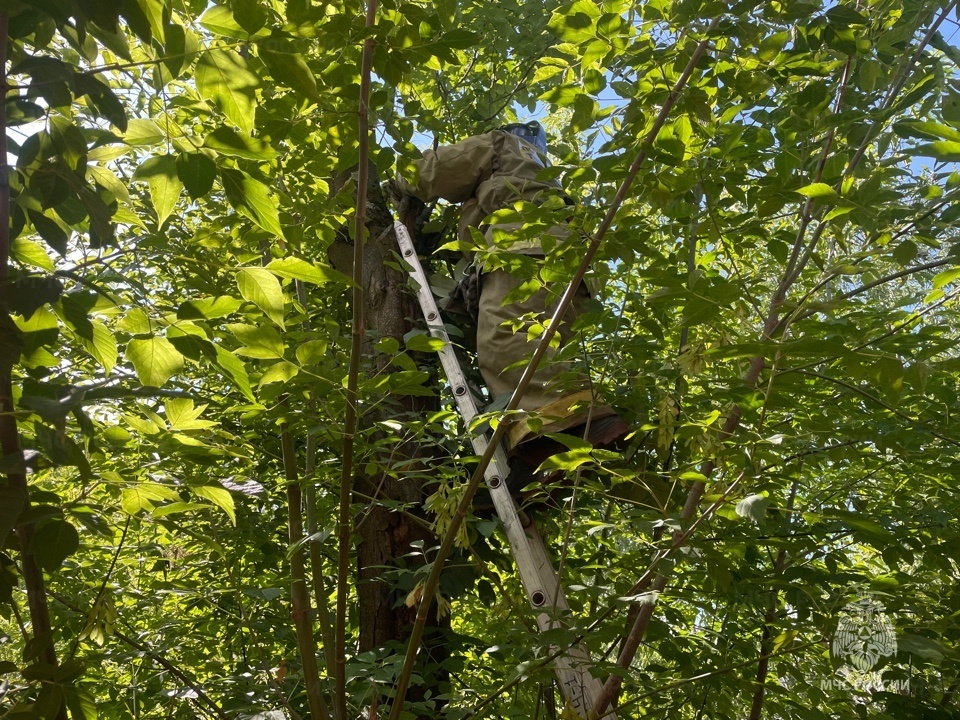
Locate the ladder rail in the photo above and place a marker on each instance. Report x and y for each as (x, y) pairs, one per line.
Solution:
(536, 571)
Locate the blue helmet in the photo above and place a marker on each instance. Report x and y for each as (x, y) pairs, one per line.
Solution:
(532, 132)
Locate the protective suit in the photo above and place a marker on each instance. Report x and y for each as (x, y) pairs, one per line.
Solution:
(486, 173)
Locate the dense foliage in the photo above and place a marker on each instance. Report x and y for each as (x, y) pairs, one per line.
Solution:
(777, 317)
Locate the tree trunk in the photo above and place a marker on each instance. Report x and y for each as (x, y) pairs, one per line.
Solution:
(385, 536)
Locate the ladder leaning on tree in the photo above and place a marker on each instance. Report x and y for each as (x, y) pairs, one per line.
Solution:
(572, 666)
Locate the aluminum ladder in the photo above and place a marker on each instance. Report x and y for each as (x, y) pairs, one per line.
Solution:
(572, 666)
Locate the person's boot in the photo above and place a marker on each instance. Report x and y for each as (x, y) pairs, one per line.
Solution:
(607, 433)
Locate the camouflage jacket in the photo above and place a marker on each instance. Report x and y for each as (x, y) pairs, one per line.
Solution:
(485, 173)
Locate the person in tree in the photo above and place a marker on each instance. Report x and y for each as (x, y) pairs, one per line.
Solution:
(485, 173)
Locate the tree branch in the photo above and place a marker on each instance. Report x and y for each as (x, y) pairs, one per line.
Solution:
(9, 433)
(766, 639)
(356, 349)
(299, 596)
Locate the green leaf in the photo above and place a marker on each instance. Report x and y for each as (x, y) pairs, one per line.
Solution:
(182, 415)
(249, 14)
(927, 648)
(101, 344)
(291, 69)
(569, 460)
(945, 278)
(219, 497)
(192, 346)
(153, 10)
(208, 308)
(295, 268)
(178, 507)
(575, 23)
(110, 182)
(30, 253)
(21, 111)
(387, 345)
(160, 172)
(942, 150)
(817, 190)
(235, 370)
(219, 20)
(81, 703)
(155, 359)
(447, 12)
(102, 100)
(926, 130)
(458, 39)
(228, 142)
(312, 352)
(180, 49)
(143, 132)
(259, 286)
(30, 293)
(252, 198)
(53, 542)
(50, 230)
(584, 111)
(223, 78)
(262, 342)
(144, 496)
(753, 507)
(424, 343)
(562, 95)
(197, 172)
(12, 501)
(278, 372)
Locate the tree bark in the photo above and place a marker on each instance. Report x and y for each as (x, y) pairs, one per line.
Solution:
(16, 485)
(385, 536)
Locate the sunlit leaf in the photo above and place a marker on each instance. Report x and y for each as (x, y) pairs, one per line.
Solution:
(296, 268)
(260, 287)
(252, 198)
(160, 173)
(219, 497)
(222, 78)
(228, 142)
(154, 359)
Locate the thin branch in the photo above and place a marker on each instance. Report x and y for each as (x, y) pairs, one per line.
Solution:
(766, 640)
(796, 263)
(321, 597)
(300, 598)
(914, 422)
(508, 98)
(906, 272)
(299, 595)
(356, 350)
